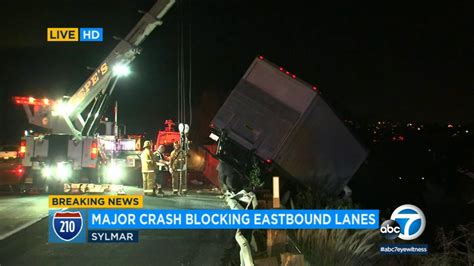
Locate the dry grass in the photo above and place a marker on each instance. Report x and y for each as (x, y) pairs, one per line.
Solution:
(457, 246)
(339, 247)
(335, 247)
(360, 247)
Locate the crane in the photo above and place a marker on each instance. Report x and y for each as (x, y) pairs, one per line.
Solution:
(66, 115)
(71, 149)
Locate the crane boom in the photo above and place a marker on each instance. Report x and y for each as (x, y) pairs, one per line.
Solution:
(123, 53)
(71, 143)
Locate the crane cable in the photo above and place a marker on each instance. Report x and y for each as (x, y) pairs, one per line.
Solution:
(190, 70)
(183, 93)
(181, 67)
(178, 56)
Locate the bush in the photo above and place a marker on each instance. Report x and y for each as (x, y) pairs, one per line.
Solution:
(255, 175)
(457, 246)
(339, 247)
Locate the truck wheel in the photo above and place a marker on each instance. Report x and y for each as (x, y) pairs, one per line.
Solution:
(98, 179)
(54, 188)
(38, 181)
(97, 175)
(43, 186)
(46, 188)
(93, 175)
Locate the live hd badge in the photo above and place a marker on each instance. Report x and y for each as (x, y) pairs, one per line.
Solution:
(66, 227)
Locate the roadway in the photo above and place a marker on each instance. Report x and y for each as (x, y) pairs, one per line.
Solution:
(24, 237)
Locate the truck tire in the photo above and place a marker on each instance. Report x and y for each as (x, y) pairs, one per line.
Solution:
(93, 175)
(39, 182)
(54, 187)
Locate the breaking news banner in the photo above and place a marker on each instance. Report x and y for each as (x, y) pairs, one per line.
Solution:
(233, 219)
(95, 201)
(122, 225)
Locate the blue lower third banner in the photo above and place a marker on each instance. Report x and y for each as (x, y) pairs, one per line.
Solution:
(112, 236)
(233, 219)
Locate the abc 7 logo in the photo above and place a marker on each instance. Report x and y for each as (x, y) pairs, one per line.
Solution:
(407, 223)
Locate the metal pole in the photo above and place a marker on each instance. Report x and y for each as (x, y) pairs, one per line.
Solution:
(276, 192)
(116, 128)
(186, 160)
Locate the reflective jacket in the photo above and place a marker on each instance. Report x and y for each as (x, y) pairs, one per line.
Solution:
(147, 161)
(177, 158)
(158, 156)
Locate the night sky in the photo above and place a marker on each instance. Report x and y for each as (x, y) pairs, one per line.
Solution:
(392, 61)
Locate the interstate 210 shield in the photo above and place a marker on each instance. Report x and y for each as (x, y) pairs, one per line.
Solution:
(67, 225)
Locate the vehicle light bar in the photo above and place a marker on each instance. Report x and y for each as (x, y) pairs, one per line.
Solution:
(33, 101)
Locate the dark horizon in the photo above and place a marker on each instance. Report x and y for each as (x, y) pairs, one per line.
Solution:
(371, 63)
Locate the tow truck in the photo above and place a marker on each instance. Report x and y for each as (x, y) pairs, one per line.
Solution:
(72, 150)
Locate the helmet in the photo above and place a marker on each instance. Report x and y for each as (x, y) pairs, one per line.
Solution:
(147, 144)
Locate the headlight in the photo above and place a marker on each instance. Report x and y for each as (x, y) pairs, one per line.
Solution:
(63, 171)
(47, 172)
(121, 70)
(114, 172)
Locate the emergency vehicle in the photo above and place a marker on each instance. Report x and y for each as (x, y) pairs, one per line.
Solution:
(72, 150)
(200, 163)
(167, 137)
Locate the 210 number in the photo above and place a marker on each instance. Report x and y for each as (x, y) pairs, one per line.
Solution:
(67, 226)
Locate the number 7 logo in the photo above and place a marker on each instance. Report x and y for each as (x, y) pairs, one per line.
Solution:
(411, 219)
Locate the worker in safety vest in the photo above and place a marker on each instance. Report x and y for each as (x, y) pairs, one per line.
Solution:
(161, 168)
(148, 167)
(178, 171)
